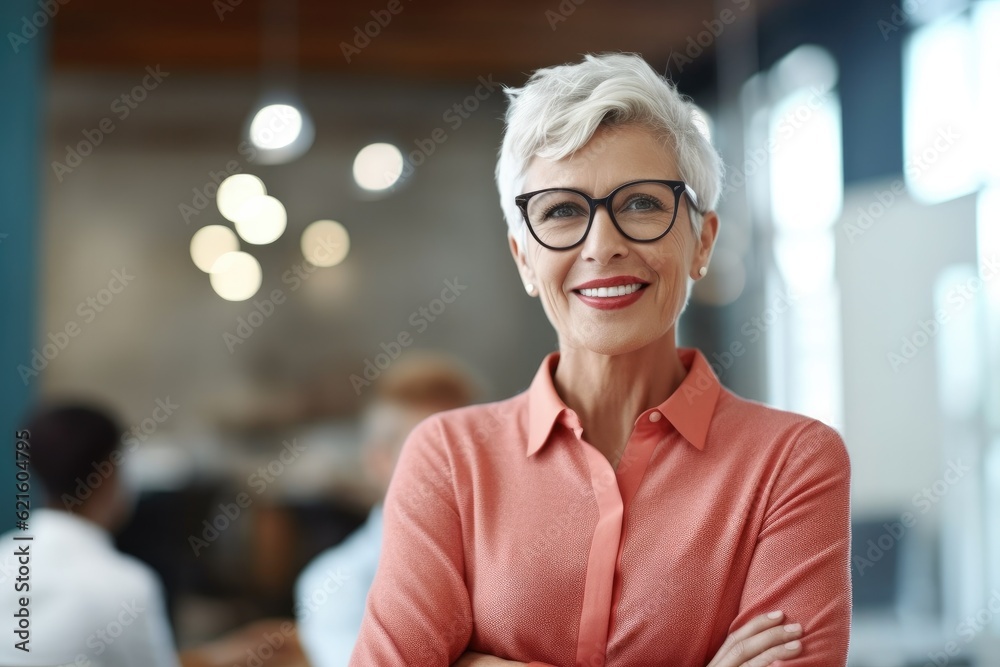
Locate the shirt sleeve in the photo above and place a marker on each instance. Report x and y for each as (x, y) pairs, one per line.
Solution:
(801, 564)
(330, 601)
(418, 611)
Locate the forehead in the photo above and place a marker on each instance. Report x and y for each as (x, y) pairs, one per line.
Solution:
(614, 155)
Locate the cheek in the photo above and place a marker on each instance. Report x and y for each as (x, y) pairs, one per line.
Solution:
(550, 278)
(680, 246)
(548, 270)
(671, 261)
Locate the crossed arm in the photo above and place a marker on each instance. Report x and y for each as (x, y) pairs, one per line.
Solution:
(806, 529)
(757, 644)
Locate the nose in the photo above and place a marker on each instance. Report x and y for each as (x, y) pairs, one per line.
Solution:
(604, 242)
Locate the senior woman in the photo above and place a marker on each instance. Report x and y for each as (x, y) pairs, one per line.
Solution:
(626, 509)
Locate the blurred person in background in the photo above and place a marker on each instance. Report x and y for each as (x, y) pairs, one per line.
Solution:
(331, 591)
(626, 509)
(88, 603)
(86, 598)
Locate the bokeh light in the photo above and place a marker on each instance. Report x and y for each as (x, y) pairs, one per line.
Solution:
(261, 220)
(325, 243)
(378, 166)
(211, 242)
(235, 190)
(275, 126)
(236, 276)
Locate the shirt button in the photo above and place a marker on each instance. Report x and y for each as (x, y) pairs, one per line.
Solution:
(655, 417)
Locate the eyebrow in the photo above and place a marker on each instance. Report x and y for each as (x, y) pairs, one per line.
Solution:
(617, 185)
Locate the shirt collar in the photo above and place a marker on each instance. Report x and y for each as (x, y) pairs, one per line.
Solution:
(544, 404)
(689, 409)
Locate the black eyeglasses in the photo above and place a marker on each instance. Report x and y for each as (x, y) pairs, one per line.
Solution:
(643, 211)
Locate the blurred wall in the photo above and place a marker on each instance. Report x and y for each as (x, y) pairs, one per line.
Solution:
(890, 253)
(162, 334)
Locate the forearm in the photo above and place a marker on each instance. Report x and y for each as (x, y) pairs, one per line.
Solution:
(472, 659)
(801, 561)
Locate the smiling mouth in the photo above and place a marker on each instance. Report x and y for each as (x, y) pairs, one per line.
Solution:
(610, 292)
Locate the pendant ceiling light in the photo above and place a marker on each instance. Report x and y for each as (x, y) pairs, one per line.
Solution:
(279, 128)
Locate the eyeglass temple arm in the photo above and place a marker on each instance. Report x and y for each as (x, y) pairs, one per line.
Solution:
(693, 197)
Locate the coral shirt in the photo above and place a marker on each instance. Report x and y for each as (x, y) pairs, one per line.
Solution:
(507, 533)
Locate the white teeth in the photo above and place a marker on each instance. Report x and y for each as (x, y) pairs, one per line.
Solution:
(620, 290)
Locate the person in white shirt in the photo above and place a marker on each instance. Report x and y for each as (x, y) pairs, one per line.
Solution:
(87, 604)
(331, 591)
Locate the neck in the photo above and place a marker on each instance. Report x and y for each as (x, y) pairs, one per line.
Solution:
(609, 392)
(103, 508)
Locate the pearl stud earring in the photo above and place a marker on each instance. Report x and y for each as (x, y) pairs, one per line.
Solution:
(529, 288)
(702, 271)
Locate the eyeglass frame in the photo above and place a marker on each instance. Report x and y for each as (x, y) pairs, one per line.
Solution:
(678, 187)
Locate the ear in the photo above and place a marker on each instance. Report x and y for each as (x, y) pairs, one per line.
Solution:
(706, 242)
(517, 252)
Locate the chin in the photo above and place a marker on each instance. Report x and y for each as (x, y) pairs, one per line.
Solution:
(614, 343)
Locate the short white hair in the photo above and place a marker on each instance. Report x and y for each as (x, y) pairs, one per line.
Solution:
(558, 110)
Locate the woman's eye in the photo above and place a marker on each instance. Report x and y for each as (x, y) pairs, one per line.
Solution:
(562, 211)
(642, 204)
